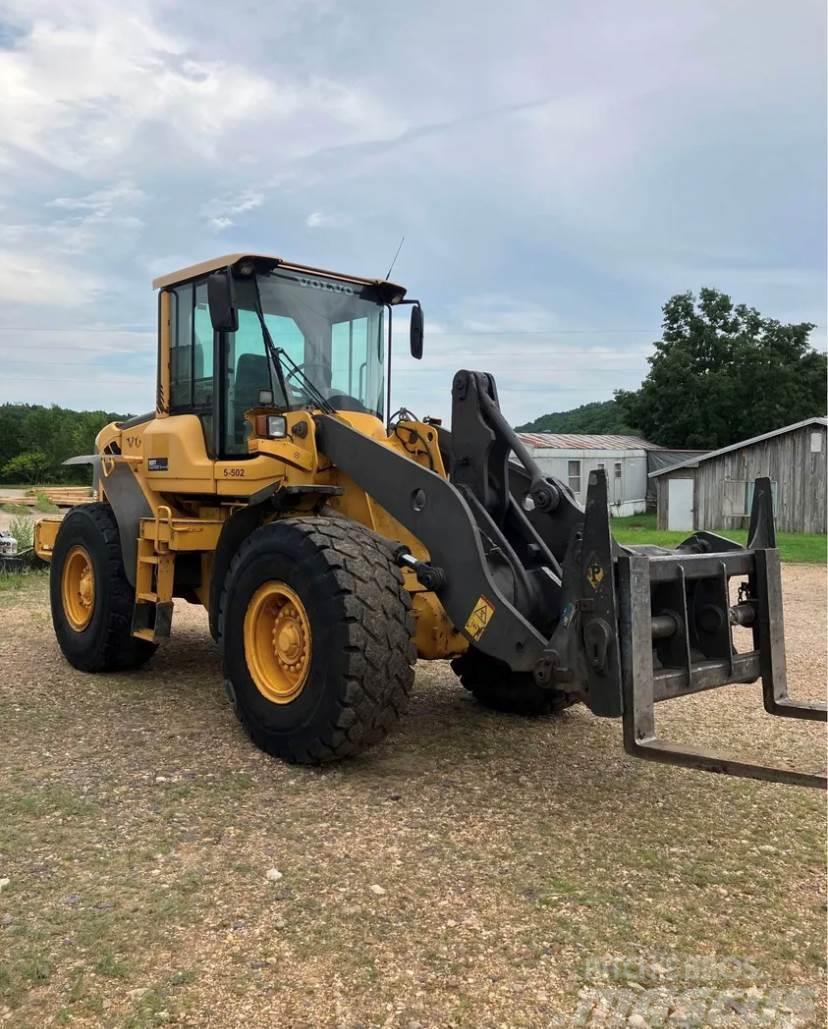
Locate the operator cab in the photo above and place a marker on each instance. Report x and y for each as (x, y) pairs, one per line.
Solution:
(249, 331)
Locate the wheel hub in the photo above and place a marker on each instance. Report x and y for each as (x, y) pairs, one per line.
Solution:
(77, 588)
(288, 637)
(277, 642)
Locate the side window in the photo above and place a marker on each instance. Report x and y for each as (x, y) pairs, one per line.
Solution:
(191, 348)
(349, 357)
(574, 474)
(181, 347)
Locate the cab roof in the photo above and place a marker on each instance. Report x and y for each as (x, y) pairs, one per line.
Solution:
(195, 271)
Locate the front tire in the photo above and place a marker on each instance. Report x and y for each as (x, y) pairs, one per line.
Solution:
(316, 631)
(91, 598)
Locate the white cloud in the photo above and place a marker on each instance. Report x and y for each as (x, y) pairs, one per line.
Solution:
(219, 210)
(78, 95)
(101, 203)
(323, 220)
(44, 282)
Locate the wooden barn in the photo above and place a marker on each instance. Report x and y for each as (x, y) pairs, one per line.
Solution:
(715, 490)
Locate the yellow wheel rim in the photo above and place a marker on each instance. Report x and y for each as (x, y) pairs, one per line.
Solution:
(77, 587)
(277, 642)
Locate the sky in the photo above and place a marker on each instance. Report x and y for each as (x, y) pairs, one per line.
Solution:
(558, 170)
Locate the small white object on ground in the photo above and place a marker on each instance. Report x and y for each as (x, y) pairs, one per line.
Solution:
(380, 892)
(273, 875)
(4, 883)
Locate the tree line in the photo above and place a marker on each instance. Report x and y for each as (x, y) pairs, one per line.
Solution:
(36, 440)
(601, 417)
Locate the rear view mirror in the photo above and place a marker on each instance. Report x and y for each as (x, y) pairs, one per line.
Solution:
(222, 301)
(416, 332)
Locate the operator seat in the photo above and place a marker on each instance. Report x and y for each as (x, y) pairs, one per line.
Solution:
(252, 376)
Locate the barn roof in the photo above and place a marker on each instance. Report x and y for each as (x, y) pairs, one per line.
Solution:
(577, 441)
(694, 462)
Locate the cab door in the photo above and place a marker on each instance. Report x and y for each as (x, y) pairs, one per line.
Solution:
(178, 451)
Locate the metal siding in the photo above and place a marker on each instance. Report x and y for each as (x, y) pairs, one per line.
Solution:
(633, 472)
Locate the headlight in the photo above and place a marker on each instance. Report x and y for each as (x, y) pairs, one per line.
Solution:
(276, 426)
(270, 426)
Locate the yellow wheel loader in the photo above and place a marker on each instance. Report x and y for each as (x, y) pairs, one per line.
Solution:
(333, 543)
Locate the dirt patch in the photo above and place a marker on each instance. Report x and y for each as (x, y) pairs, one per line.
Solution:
(475, 870)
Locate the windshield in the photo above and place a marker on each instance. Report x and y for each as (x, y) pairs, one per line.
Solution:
(331, 332)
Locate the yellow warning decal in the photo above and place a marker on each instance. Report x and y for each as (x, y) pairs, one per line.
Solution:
(594, 573)
(479, 618)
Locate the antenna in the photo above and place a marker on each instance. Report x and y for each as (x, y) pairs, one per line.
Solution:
(399, 248)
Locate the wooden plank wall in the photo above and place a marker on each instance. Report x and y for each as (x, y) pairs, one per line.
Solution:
(800, 475)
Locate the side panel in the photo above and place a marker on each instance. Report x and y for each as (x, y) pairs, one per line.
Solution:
(175, 456)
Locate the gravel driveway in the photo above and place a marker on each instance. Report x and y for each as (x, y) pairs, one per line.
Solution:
(475, 870)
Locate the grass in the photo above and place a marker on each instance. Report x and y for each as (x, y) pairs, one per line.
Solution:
(16, 509)
(23, 531)
(10, 581)
(44, 505)
(797, 547)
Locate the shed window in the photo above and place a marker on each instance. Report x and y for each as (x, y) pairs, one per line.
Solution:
(816, 442)
(574, 473)
(738, 497)
(617, 469)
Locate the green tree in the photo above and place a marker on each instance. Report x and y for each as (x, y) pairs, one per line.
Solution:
(36, 440)
(722, 373)
(30, 466)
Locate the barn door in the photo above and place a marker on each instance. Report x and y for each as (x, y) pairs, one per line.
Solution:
(680, 504)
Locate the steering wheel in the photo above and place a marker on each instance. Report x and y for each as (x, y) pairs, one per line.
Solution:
(299, 368)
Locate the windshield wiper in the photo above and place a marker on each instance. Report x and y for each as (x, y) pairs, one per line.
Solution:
(278, 354)
(294, 369)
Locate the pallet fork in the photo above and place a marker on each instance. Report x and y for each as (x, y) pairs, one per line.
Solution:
(676, 618)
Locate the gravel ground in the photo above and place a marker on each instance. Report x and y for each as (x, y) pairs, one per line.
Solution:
(475, 870)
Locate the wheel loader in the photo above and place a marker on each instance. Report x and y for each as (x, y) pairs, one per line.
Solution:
(333, 543)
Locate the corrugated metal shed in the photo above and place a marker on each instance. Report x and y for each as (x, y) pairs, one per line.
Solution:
(575, 441)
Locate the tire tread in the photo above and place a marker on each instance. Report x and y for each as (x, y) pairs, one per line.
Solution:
(375, 666)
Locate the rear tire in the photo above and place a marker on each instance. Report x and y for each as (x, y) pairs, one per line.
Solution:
(493, 684)
(347, 610)
(94, 630)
